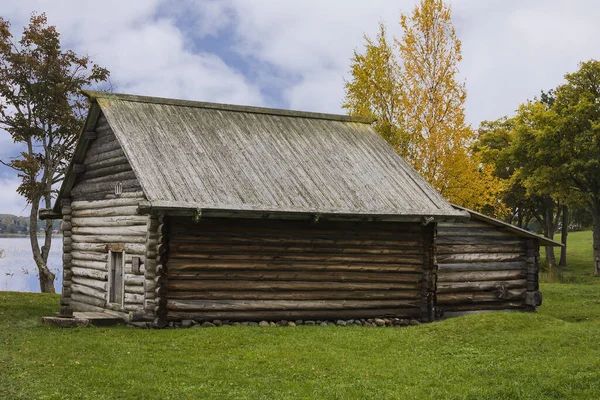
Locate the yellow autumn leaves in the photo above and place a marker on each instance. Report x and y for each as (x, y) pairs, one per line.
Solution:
(411, 87)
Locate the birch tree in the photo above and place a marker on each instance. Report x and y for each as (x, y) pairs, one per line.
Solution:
(42, 108)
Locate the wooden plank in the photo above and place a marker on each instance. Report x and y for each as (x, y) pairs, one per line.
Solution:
(187, 265)
(129, 220)
(205, 285)
(482, 266)
(108, 239)
(480, 248)
(457, 287)
(479, 257)
(88, 291)
(306, 295)
(107, 211)
(294, 314)
(97, 265)
(92, 283)
(250, 305)
(137, 230)
(317, 276)
(89, 273)
(480, 276)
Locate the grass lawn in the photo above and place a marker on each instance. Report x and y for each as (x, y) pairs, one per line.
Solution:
(551, 354)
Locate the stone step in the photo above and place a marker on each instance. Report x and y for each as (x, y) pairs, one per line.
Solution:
(83, 319)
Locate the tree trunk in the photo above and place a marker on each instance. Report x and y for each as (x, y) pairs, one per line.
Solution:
(520, 218)
(596, 234)
(549, 233)
(40, 256)
(563, 237)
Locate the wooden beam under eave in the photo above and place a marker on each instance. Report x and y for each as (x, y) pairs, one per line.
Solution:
(48, 213)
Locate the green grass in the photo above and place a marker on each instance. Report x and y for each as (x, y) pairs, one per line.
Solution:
(550, 354)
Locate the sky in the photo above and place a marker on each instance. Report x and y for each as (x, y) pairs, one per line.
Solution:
(296, 54)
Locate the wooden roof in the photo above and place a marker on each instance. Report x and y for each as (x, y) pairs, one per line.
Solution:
(195, 155)
(544, 241)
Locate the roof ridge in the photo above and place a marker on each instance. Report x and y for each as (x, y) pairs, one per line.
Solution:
(94, 95)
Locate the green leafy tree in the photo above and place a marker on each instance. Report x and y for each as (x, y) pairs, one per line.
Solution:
(42, 108)
(522, 156)
(577, 143)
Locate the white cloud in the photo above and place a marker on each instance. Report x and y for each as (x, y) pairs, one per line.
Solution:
(299, 51)
(10, 201)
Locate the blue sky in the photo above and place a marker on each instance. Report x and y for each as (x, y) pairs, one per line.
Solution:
(295, 54)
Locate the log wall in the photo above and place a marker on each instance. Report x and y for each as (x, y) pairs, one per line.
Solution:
(239, 269)
(97, 220)
(485, 267)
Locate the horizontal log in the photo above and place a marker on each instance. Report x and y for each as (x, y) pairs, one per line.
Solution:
(470, 223)
(139, 194)
(253, 305)
(115, 171)
(89, 255)
(480, 248)
(253, 257)
(101, 145)
(186, 265)
(293, 314)
(81, 190)
(442, 240)
(235, 248)
(499, 305)
(134, 280)
(318, 276)
(306, 295)
(129, 248)
(97, 265)
(285, 239)
(92, 283)
(480, 297)
(89, 273)
(482, 266)
(133, 307)
(206, 285)
(108, 239)
(473, 231)
(106, 211)
(100, 204)
(88, 291)
(478, 257)
(454, 287)
(354, 227)
(480, 276)
(134, 289)
(78, 299)
(138, 230)
(92, 159)
(134, 298)
(129, 220)
(99, 164)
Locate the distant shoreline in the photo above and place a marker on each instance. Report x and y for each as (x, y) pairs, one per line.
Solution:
(17, 236)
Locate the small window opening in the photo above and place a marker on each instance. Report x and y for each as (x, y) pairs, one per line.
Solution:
(115, 294)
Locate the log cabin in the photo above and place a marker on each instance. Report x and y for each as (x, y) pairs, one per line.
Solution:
(485, 264)
(175, 210)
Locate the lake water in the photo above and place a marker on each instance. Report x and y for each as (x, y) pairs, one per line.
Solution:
(17, 268)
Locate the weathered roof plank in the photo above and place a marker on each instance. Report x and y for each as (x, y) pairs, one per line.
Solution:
(205, 155)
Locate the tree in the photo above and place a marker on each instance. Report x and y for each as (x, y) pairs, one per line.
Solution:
(42, 108)
(419, 103)
(375, 90)
(577, 141)
(522, 157)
